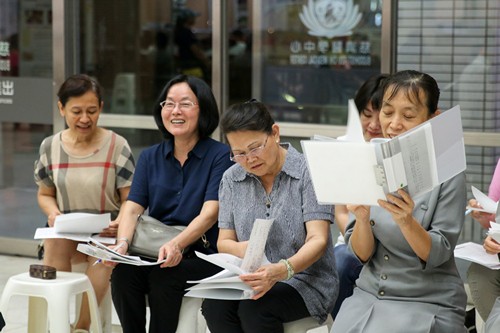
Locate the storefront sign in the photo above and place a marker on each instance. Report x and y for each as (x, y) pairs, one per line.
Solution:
(330, 18)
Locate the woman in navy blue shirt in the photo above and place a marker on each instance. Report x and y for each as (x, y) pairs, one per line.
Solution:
(178, 181)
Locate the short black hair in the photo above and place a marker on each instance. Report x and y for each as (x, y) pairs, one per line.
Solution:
(412, 82)
(208, 119)
(247, 116)
(78, 85)
(370, 91)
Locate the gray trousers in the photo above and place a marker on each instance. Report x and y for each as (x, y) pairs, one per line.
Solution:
(484, 284)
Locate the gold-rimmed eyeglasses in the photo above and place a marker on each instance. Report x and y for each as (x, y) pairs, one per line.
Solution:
(183, 106)
(254, 152)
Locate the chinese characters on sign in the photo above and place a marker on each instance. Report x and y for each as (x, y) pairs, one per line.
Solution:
(336, 52)
(4, 52)
(6, 91)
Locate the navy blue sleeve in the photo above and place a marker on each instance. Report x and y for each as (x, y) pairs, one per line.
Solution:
(139, 190)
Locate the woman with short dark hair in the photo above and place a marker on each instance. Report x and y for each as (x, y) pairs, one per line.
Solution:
(271, 181)
(177, 180)
(83, 168)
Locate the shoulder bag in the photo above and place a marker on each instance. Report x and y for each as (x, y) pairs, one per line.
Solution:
(150, 234)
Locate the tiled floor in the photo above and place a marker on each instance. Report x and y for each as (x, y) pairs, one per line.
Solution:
(17, 314)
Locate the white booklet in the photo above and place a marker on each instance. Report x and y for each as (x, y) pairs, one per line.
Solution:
(358, 172)
(476, 253)
(227, 284)
(98, 250)
(78, 227)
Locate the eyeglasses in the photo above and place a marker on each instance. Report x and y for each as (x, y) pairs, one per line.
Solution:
(240, 158)
(183, 106)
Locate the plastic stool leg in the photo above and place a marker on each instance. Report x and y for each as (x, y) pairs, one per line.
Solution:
(37, 318)
(59, 313)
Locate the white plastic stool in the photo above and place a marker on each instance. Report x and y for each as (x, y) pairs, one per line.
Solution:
(57, 294)
(190, 319)
(305, 325)
(308, 325)
(106, 306)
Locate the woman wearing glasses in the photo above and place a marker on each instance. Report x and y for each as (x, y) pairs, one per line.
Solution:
(177, 180)
(271, 181)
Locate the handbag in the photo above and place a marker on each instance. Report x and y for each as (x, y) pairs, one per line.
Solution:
(150, 234)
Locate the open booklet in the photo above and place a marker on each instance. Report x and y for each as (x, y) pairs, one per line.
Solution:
(78, 227)
(226, 284)
(351, 171)
(98, 250)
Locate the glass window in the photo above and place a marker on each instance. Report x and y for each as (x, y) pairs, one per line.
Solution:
(25, 110)
(456, 42)
(133, 61)
(314, 56)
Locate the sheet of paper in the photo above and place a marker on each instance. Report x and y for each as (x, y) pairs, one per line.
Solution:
(227, 284)
(354, 132)
(488, 204)
(449, 147)
(256, 245)
(343, 172)
(418, 159)
(224, 260)
(494, 231)
(82, 222)
(395, 172)
(475, 252)
(219, 293)
(43, 233)
(109, 255)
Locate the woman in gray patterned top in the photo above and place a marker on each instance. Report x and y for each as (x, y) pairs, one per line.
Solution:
(271, 181)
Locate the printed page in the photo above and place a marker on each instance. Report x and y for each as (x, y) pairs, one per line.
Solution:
(256, 245)
(417, 151)
(227, 284)
(107, 254)
(81, 222)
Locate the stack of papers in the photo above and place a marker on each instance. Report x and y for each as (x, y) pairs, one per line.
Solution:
(227, 284)
(476, 253)
(78, 227)
(98, 250)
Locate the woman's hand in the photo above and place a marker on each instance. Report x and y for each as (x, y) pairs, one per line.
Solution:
(111, 230)
(362, 213)
(482, 217)
(491, 246)
(51, 218)
(401, 208)
(121, 247)
(171, 252)
(264, 278)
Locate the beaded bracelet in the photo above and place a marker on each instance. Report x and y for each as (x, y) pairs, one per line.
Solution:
(289, 268)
